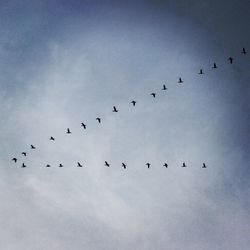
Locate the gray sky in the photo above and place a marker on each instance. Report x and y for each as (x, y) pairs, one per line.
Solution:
(67, 62)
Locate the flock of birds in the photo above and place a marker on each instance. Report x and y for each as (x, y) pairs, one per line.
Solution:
(115, 110)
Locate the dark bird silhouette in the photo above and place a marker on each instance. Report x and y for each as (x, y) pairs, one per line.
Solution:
(124, 165)
(83, 125)
(164, 87)
(165, 165)
(14, 159)
(48, 166)
(79, 165)
(204, 165)
(24, 153)
(107, 164)
(133, 102)
(215, 66)
(184, 165)
(180, 80)
(148, 164)
(98, 119)
(32, 147)
(230, 60)
(114, 109)
(153, 94)
(52, 138)
(60, 165)
(23, 165)
(243, 51)
(201, 72)
(68, 131)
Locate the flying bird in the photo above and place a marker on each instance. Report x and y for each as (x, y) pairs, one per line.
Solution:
(48, 166)
(32, 147)
(23, 165)
(107, 164)
(52, 138)
(133, 102)
(14, 159)
(243, 51)
(124, 165)
(98, 119)
(153, 94)
(230, 60)
(68, 131)
(201, 72)
(180, 80)
(215, 66)
(148, 164)
(83, 125)
(60, 165)
(24, 153)
(165, 165)
(114, 109)
(184, 165)
(79, 165)
(164, 87)
(204, 165)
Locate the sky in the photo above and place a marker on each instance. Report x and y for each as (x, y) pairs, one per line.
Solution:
(67, 62)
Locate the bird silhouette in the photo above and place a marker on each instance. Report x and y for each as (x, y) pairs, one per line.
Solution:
(164, 87)
(201, 72)
(98, 119)
(79, 165)
(165, 165)
(83, 125)
(184, 165)
(68, 131)
(23, 165)
(148, 164)
(153, 94)
(230, 60)
(32, 147)
(133, 102)
(204, 165)
(114, 109)
(60, 165)
(52, 138)
(106, 164)
(180, 80)
(124, 165)
(214, 66)
(48, 166)
(24, 153)
(243, 51)
(14, 159)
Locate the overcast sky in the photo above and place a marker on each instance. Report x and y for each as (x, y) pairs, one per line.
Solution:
(67, 62)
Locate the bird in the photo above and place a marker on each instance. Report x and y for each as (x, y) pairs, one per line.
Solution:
(215, 66)
(243, 51)
(204, 165)
(79, 165)
(114, 109)
(164, 87)
(98, 119)
(83, 125)
(153, 94)
(148, 164)
(180, 80)
(23, 165)
(201, 72)
(133, 102)
(48, 166)
(32, 147)
(52, 138)
(124, 165)
(24, 153)
(165, 165)
(14, 159)
(68, 131)
(106, 164)
(184, 165)
(230, 60)
(60, 165)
